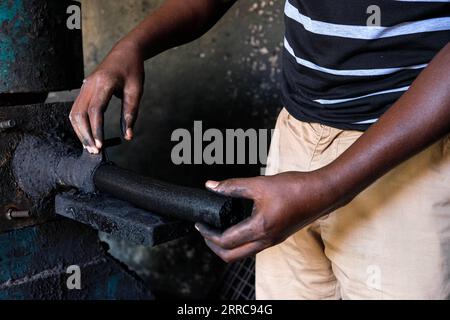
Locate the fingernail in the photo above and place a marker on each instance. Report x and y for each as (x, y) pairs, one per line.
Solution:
(92, 150)
(212, 184)
(129, 134)
(98, 143)
(197, 227)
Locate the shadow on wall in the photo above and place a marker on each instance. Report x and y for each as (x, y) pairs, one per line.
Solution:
(227, 79)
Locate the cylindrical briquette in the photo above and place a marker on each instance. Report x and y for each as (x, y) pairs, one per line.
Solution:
(180, 202)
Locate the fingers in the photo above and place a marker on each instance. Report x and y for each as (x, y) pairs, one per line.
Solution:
(239, 234)
(87, 112)
(241, 241)
(130, 106)
(96, 111)
(238, 188)
(247, 250)
(84, 130)
(247, 231)
(80, 121)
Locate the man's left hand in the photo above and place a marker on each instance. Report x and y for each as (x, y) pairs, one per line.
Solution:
(283, 204)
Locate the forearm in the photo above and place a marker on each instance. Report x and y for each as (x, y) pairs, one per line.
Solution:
(175, 23)
(419, 118)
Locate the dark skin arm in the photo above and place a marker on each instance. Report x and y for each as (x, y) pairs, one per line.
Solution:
(286, 202)
(122, 72)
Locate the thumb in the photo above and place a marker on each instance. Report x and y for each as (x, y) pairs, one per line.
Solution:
(238, 188)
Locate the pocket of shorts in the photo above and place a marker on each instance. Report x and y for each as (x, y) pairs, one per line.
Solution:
(344, 143)
(315, 128)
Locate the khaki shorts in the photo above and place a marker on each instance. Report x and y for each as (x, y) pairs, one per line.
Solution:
(391, 242)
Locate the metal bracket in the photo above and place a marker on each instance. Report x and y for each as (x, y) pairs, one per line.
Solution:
(119, 218)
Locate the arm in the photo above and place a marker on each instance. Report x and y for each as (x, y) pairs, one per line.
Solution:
(122, 71)
(286, 202)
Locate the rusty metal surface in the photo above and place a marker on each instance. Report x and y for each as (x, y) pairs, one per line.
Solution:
(42, 166)
(38, 52)
(41, 157)
(120, 219)
(34, 263)
(41, 120)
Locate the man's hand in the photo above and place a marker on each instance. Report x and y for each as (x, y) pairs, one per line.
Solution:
(122, 74)
(286, 202)
(283, 204)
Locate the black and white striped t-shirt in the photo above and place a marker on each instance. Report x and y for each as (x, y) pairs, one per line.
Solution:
(343, 71)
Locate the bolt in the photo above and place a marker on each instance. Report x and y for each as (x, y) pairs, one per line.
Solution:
(8, 124)
(12, 214)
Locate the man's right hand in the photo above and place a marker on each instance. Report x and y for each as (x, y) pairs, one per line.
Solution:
(120, 74)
